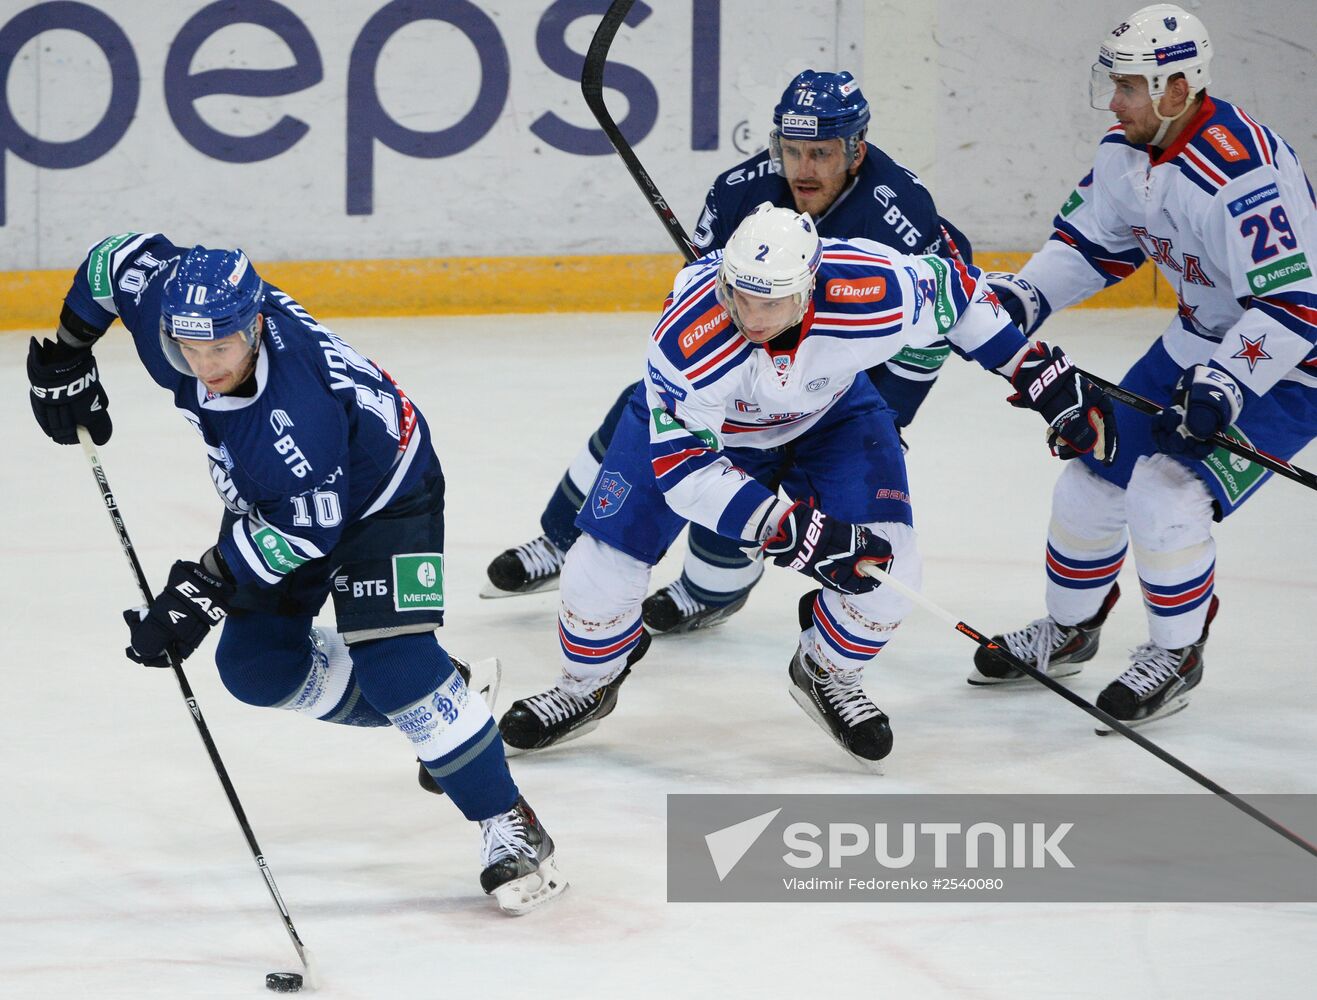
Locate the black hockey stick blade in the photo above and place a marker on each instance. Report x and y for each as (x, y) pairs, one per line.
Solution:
(592, 87)
(1232, 445)
(1052, 684)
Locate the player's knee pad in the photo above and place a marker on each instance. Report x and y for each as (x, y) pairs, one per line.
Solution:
(1088, 513)
(601, 584)
(262, 658)
(1170, 512)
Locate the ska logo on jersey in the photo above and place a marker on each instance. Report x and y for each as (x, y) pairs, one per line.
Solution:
(989, 297)
(610, 492)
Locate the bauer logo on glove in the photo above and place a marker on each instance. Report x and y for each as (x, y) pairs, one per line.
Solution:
(1078, 414)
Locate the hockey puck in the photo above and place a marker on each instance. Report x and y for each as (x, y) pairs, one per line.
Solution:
(283, 982)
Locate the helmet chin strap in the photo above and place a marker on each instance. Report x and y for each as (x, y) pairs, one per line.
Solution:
(1167, 122)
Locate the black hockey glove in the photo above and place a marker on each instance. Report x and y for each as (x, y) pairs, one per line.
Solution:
(66, 392)
(1206, 400)
(179, 617)
(1078, 413)
(829, 550)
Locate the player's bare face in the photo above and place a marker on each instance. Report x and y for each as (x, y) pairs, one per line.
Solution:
(761, 319)
(222, 365)
(1133, 108)
(817, 172)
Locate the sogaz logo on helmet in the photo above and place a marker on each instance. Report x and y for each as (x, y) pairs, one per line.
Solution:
(754, 283)
(193, 326)
(800, 125)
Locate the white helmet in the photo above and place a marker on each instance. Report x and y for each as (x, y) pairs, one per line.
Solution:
(774, 253)
(1156, 42)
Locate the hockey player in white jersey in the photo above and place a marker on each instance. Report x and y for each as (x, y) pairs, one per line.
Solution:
(756, 370)
(1220, 203)
(332, 489)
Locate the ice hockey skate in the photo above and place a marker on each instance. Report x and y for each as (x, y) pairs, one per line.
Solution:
(837, 703)
(519, 869)
(557, 716)
(526, 569)
(1157, 682)
(841, 708)
(674, 611)
(482, 677)
(1057, 650)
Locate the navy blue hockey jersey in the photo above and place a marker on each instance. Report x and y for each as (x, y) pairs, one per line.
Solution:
(327, 439)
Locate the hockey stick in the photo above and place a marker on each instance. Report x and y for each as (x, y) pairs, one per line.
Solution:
(194, 710)
(592, 87)
(1114, 724)
(1230, 444)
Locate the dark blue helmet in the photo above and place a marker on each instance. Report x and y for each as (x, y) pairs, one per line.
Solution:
(211, 294)
(821, 106)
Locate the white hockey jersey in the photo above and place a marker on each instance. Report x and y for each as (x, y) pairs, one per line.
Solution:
(708, 387)
(1227, 214)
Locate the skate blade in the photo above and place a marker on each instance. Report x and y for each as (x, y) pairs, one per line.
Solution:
(491, 592)
(1060, 672)
(486, 675)
(1168, 709)
(521, 895)
(583, 729)
(807, 706)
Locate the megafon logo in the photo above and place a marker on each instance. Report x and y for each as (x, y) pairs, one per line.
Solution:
(729, 845)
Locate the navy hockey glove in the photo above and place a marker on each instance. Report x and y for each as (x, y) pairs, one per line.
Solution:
(1205, 401)
(1024, 303)
(179, 617)
(1078, 413)
(66, 392)
(832, 551)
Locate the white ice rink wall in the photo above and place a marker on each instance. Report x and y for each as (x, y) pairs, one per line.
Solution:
(420, 129)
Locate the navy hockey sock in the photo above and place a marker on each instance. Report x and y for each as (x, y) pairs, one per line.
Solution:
(412, 680)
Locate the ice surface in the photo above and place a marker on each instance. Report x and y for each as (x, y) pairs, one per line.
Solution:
(123, 874)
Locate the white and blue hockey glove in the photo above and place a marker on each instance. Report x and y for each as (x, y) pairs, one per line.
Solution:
(1205, 401)
(1078, 414)
(831, 551)
(1024, 303)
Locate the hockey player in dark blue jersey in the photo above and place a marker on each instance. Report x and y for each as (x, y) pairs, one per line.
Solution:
(817, 162)
(332, 487)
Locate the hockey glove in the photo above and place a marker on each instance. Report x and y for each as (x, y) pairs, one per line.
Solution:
(1205, 401)
(66, 392)
(829, 550)
(1077, 412)
(1022, 301)
(179, 617)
